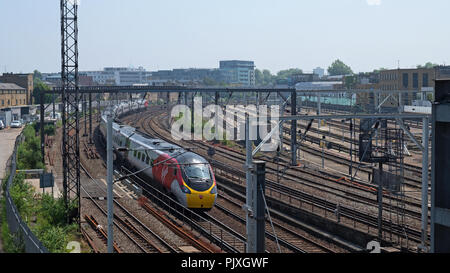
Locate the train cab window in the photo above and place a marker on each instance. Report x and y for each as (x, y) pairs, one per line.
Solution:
(148, 161)
(197, 176)
(197, 171)
(143, 157)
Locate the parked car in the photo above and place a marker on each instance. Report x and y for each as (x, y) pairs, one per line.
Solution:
(16, 124)
(2, 126)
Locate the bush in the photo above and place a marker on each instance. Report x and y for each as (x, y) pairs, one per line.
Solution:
(53, 210)
(22, 195)
(49, 130)
(29, 152)
(12, 243)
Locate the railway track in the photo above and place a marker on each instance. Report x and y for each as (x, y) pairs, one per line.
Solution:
(143, 238)
(283, 235)
(339, 186)
(283, 242)
(154, 134)
(413, 170)
(129, 225)
(412, 232)
(226, 239)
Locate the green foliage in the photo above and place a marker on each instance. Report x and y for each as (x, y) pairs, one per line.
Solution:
(285, 74)
(428, 65)
(37, 75)
(51, 227)
(29, 152)
(211, 82)
(4, 182)
(12, 243)
(46, 216)
(22, 195)
(350, 81)
(53, 238)
(39, 87)
(339, 68)
(50, 224)
(265, 78)
(53, 210)
(49, 130)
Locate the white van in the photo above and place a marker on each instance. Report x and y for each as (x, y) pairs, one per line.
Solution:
(2, 126)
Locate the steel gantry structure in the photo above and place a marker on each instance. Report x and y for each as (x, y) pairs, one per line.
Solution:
(70, 110)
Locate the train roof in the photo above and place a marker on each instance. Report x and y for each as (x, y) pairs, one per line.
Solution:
(177, 152)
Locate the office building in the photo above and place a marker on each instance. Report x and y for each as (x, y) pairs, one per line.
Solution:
(238, 72)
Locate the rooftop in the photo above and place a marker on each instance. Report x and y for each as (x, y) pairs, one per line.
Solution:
(10, 86)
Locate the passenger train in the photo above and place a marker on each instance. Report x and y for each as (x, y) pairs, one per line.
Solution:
(186, 175)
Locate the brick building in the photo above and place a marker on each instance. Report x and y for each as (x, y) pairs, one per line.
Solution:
(413, 79)
(12, 95)
(22, 80)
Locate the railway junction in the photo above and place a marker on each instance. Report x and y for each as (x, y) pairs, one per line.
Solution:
(334, 209)
(365, 177)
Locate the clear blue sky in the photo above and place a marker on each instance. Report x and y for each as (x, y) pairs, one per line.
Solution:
(276, 34)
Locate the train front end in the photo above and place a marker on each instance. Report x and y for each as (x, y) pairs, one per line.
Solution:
(199, 184)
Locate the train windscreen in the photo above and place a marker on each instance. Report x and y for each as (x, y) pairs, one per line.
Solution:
(198, 176)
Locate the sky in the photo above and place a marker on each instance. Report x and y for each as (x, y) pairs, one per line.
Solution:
(275, 34)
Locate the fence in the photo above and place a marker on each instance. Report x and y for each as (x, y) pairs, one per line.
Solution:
(17, 227)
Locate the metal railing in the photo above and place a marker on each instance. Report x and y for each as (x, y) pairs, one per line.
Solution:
(21, 233)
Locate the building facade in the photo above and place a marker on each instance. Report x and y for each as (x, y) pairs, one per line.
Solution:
(407, 79)
(238, 72)
(22, 80)
(12, 95)
(319, 72)
(303, 77)
(416, 80)
(189, 75)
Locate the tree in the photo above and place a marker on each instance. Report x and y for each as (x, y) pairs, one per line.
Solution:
(267, 77)
(37, 75)
(428, 65)
(350, 81)
(212, 82)
(285, 74)
(263, 78)
(259, 77)
(379, 70)
(39, 87)
(339, 68)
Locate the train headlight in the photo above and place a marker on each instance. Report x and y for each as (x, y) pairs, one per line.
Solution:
(185, 189)
(214, 190)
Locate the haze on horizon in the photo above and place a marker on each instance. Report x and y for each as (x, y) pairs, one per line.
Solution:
(365, 34)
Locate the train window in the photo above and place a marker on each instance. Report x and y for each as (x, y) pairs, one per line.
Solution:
(148, 160)
(143, 157)
(197, 171)
(135, 153)
(175, 172)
